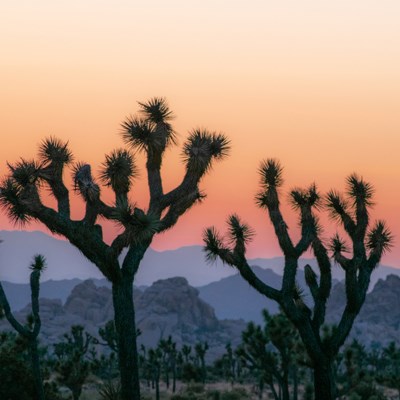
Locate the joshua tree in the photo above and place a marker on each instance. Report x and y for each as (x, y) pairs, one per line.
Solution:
(150, 133)
(269, 353)
(30, 332)
(367, 246)
(71, 365)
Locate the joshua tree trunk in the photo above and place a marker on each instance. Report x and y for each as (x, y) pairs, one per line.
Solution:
(30, 334)
(324, 382)
(126, 334)
(37, 375)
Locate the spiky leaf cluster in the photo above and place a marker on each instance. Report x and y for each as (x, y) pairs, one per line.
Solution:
(201, 147)
(271, 173)
(138, 134)
(38, 263)
(10, 201)
(359, 190)
(239, 231)
(213, 244)
(53, 150)
(150, 132)
(25, 172)
(139, 226)
(118, 169)
(379, 238)
(336, 204)
(301, 197)
(337, 245)
(156, 110)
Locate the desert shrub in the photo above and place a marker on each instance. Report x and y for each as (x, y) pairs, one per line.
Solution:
(110, 391)
(16, 381)
(234, 394)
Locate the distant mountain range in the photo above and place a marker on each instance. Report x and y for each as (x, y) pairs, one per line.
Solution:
(172, 307)
(66, 262)
(218, 285)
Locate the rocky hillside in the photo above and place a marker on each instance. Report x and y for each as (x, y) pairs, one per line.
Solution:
(168, 307)
(379, 319)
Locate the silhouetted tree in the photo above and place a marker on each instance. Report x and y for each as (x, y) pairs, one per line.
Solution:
(16, 377)
(201, 350)
(31, 331)
(150, 133)
(72, 366)
(390, 372)
(368, 245)
(269, 351)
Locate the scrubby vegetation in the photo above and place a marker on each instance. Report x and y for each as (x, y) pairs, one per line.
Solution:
(270, 363)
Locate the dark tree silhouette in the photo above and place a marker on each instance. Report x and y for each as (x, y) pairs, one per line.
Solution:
(270, 353)
(30, 332)
(150, 133)
(72, 366)
(367, 246)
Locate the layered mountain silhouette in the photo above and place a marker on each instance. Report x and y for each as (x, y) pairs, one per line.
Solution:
(173, 307)
(66, 262)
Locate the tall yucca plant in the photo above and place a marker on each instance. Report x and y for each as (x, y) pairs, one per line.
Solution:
(149, 132)
(30, 331)
(368, 244)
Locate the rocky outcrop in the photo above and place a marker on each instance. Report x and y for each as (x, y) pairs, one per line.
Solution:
(91, 303)
(168, 307)
(378, 322)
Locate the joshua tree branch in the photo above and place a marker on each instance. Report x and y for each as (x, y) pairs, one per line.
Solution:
(9, 315)
(178, 208)
(308, 229)
(280, 226)
(34, 283)
(325, 282)
(247, 273)
(53, 176)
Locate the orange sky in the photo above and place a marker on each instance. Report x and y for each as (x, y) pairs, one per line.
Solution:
(314, 83)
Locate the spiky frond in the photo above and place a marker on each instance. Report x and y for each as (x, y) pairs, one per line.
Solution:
(156, 110)
(54, 150)
(84, 183)
(10, 201)
(25, 172)
(38, 263)
(271, 173)
(380, 238)
(118, 169)
(336, 204)
(239, 231)
(220, 146)
(261, 199)
(309, 196)
(359, 190)
(337, 245)
(138, 133)
(197, 150)
(213, 244)
(139, 225)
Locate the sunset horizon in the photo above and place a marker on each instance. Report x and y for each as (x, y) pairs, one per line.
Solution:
(314, 86)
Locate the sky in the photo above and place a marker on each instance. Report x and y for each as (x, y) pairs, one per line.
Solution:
(315, 84)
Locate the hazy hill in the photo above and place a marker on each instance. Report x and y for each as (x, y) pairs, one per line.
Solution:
(66, 262)
(234, 298)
